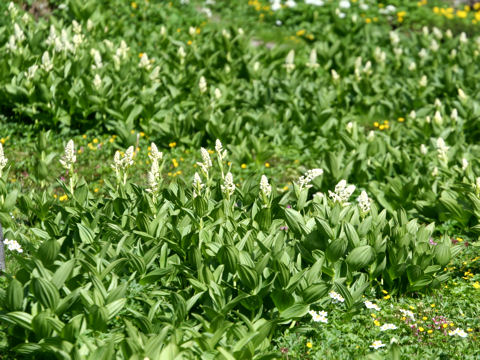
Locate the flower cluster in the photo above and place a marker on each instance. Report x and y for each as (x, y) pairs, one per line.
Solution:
(3, 160)
(342, 193)
(121, 164)
(320, 316)
(69, 158)
(458, 332)
(228, 187)
(13, 245)
(305, 180)
(336, 296)
(364, 202)
(370, 305)
(386, 327)
(206, 162)
(153, 176)
(377, 344)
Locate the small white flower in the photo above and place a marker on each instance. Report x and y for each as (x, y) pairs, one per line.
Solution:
(305, 180)
(202, 85)
(386, 327)
(434, 46)
(290, 3)
(423, 149)
(335, 75)
(435, 171)
(206, 163)
(221, 153)
(77, 28)
(145, 62)
(394, 38)
(464, 164)
(265, 187)
(69, 158)
(462, 95)
(228, 187)
(197, 185)
(217, 93)
(412, 66)
(13, 245)
(422, 54)
(312, 62)
(290, 61)
(364, 202)
(377, 344)
(3, 160)
(407, 313)
(454, 115)
(12, 9)
(19, 35)
(342, 193)
(276, 5)
(154, 153)
(438, 118)
(315, 2)
(335, 296)
(370, 305)
(413, 114)
(449, 33)
(423, 81)
(30, 73)
(47, 64)
(97, 59)
(344, 4)
(97, 82)
(463, 38)
(458, 332)
(442, 150)
(437, 32)
(153, 177)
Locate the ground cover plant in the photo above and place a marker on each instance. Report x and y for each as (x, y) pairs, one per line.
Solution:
(251, 180)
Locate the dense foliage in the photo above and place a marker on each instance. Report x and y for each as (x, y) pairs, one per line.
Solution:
(115, 250)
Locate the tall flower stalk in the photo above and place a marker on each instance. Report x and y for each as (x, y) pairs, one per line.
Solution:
(121, 164)
(68, 160)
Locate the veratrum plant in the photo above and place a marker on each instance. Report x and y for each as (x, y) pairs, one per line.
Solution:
(194, 270)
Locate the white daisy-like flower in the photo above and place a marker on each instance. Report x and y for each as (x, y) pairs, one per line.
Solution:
(336, 296)
(13, 245)
(370, 305)
(386, 327)
(377, 344)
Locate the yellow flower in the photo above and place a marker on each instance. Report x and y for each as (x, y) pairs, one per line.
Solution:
(421, 329)
(377, 323)
(175, 163)
(368, 20)
(462, 14)
(142, 134)
(401, 13)
(469, 329)
(140, 55)
(267, 164)
(381, 127)
(63, 198)
(133, 5)
(375, 124)
(243, 166)
(132, 131)
(309, 345)
(412, 307)
(95, 141)
(189, 42)
(433, 305)
(444, 325)
(95, 190)
(301, 32)
(476, 285)
(386, 297)
(424, 318)
(111, 140)
(172, 144)
(211, 152)
(285, 188)
(401, 119)
(373, 315)
(429, 331)
(385, 291)
(84, 136)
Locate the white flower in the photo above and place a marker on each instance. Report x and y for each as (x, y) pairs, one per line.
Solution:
(77, 28)
(349, 127)
(217, 93)
(312, 62)
(377, 344)
(13, 245)
(394, 38)
(437, 32)
(344, 4)
(434, 46)
(407, 313)
(425, 30)
(454, 115)
(121, 164)
(154, 153)
(11, 45)
(379, 55)
(371, 135)
(154, 74)
(12, 9)
(412, 66)
(462, 95)
(335, 75)
(90, 25)
(458, 332)
(202, 85)
(30, 73)
(413, 114)
(69, 158)
(97, 59)
(438, 118)
(3, 160)
(305, 180)
(226, 34)
(386, 327)
(364, 202)
(19, 35)
(265, 187)
(442, 150)
(276, 5)
(463, 38)
(206, 161)
(435, 171)
(321, 316)
(240, 31)
(46, 62)
(228, 187)
(197, 185)
(422, 54)
(153, 177)
(370, 305)
(335, 296)
(256, 66)
(449, 33)
(97, 82)
(464, 164)
(221, 153)
(342, 193)
(290, 61)
(290, 3)
(315, 2)
(453, 54)
(145, 62)
(423, 81)
(423, 149)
